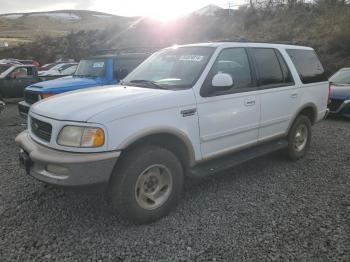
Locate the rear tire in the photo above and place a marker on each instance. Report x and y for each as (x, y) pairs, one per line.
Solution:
(147, 184)
(299, 138)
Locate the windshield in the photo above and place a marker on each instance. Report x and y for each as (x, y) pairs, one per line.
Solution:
(3, 68)
(171, 68)
(70, 70)
(91, 68)
(341, 77)
(6, 72)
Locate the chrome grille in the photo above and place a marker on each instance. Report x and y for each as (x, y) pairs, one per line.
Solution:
(30, 98)
(41, 129)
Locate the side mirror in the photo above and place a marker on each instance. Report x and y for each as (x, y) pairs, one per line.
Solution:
(222, 80)
(13, 76)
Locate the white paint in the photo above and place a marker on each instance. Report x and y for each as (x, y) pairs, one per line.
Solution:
(221, 123)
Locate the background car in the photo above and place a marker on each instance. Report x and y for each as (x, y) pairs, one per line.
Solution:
(57, 69)
(340, 92)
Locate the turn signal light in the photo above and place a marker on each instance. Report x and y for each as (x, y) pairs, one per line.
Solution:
(44, 96)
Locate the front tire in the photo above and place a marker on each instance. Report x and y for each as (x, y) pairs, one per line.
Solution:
(147, 184)
(299, 138)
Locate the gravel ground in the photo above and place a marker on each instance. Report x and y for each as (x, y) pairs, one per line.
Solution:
(267, 209)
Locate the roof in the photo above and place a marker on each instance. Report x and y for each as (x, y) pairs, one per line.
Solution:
(248, 44)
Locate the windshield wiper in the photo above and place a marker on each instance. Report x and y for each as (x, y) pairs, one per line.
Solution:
(147, 83)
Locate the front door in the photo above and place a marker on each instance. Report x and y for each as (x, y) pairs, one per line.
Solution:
(21, 78)
(229, 119)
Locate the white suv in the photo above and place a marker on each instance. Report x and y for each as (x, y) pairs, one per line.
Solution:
(186, 111)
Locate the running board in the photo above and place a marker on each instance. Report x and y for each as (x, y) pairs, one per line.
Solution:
(220, 164)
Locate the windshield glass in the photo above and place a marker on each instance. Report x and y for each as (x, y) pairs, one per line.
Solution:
(173, 67)
(341, 77)
(6, 72)
(70, 70)
(91, 68)
(3, 68)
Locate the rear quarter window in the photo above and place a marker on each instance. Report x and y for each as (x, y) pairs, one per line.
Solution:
(308, 65)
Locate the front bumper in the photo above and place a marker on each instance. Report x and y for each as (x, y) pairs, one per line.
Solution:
(343, 109)
(23, 109)
(65, 168)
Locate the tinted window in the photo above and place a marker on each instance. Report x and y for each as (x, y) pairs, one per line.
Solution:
(308, 65)
(268, 67)
(127, 63)
(287, 76)
(233, 61)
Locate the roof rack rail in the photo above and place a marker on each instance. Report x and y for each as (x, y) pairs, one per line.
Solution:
(244, 40)
(126, 50)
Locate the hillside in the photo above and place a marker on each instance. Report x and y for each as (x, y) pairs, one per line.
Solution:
(324, 26)
(26, 27)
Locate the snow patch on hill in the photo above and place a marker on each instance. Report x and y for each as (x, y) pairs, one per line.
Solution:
(11, 16)
(58, 16)
(103, 16)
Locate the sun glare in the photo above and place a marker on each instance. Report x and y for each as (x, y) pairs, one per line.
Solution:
(157, 9)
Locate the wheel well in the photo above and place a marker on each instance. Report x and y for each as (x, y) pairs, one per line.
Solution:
(168, 141)
(310, 113)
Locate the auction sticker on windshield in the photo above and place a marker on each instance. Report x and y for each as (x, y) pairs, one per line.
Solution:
(98, 64)
(194, 58)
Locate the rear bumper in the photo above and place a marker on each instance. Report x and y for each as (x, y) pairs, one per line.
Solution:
(65, 168)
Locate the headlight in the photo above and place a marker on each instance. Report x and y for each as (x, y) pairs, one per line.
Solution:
(79, 136)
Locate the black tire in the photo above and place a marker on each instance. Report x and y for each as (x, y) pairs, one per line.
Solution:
(295, 152)
(124, 181)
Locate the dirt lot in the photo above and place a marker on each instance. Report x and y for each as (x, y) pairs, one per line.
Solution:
(267, 209)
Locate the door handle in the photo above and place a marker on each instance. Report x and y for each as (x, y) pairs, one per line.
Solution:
(294, 95)
(249, 102)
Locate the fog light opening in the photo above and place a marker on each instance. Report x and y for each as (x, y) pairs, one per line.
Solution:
(55, 169)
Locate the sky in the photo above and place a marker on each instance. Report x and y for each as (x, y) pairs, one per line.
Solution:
(162, 9)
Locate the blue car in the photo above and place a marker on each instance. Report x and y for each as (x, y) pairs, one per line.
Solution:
(340, 93)
(91, 72)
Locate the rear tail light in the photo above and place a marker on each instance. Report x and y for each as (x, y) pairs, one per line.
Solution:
(329, 93)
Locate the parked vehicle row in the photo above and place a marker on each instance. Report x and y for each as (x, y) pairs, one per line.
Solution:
(187, 111)
(98, 71)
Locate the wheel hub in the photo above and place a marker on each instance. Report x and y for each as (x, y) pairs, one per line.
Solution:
(153, 187)
(301, 137)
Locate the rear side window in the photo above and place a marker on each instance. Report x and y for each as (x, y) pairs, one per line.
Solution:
(268, 67)
(308, 65)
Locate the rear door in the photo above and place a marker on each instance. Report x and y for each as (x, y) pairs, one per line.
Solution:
(279, 93)
(229, 119)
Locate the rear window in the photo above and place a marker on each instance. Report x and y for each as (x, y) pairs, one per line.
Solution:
(308, 65)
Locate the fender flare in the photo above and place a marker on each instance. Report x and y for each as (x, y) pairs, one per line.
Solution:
(161, 131)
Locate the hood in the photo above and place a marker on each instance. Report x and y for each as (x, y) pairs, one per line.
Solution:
(63, 84)
(340, 91)
(110, 103)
